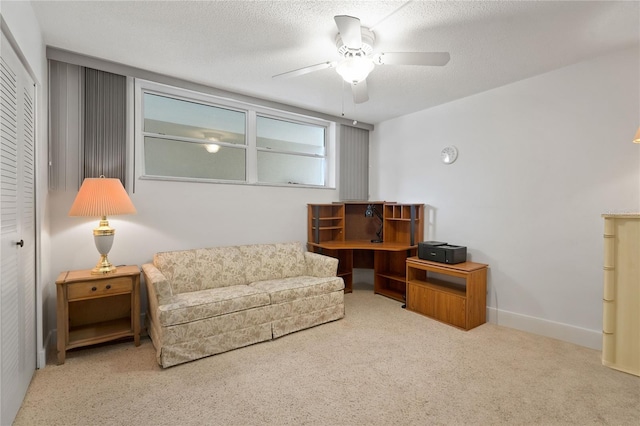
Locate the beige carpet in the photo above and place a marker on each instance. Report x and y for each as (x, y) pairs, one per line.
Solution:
(380, 365)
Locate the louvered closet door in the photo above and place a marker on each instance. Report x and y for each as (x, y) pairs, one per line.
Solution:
(17, 233)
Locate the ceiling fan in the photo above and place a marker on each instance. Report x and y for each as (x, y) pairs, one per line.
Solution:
(355, 45)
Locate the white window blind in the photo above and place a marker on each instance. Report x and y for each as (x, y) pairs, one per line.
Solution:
(354, 164)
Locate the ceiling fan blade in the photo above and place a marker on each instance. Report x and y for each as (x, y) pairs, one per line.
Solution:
(350, 32)
(413, 58)
(306, 70)
(360, 92)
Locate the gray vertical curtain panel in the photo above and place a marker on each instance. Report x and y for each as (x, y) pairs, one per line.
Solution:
(104, 125)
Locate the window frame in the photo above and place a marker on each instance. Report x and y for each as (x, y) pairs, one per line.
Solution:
(251, 112)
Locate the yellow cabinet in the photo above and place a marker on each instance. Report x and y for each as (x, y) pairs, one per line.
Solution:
(621, 298)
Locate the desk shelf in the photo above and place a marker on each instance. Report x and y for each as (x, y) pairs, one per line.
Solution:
(390, 273)
(391, 285)
(325, 222)
(392, 276)
(391, 293)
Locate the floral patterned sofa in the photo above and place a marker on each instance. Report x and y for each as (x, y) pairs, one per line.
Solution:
(207, 301)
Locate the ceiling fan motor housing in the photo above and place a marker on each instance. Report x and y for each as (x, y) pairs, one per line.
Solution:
(368, 38)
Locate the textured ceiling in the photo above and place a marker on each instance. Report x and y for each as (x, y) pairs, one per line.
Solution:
(240, 45)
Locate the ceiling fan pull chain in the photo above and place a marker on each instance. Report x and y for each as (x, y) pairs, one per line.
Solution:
(342, 96)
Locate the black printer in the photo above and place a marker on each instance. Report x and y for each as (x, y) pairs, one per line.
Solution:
(438, 251)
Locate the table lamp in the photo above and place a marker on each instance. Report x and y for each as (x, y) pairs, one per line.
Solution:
(372, 211)
(102, 197)
(636, 138)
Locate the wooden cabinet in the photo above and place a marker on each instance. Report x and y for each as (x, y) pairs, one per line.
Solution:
(454, 294)
(97, 308)
(621, 298)
(349, 232)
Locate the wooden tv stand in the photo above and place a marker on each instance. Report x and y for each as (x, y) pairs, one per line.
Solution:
(454, 294)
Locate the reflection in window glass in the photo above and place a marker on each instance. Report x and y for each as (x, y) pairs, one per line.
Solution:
(169, 116)
(286, 136)
(171, 158)
(290, 169)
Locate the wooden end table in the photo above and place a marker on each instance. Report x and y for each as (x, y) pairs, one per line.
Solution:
(97, 308)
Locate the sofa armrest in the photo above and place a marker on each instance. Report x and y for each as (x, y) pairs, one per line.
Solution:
(157, 284)
(319, 265)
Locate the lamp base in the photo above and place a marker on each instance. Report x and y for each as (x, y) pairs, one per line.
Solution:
(103, 266)
(103, 237)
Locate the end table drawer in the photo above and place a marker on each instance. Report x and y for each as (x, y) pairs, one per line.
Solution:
(99, 288)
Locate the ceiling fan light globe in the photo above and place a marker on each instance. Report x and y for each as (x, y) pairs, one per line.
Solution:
(354, 69)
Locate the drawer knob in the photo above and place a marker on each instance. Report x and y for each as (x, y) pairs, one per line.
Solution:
(93, 289)
(108, 286)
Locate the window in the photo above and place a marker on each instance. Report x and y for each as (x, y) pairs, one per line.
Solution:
(184, 135)
(289, 152)
(187, 139)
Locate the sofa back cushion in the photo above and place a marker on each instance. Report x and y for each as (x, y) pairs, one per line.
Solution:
(201, 269)
(271, 261)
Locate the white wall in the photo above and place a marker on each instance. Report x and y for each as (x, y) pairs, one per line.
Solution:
(183, 215)
(539, 161)
(25, 30)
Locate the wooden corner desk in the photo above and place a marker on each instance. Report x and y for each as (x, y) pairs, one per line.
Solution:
(345, 231)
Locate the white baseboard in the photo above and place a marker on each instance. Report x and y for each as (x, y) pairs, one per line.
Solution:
(568, 333)
(41, 360)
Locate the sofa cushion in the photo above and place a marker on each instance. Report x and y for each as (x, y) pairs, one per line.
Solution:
(198, 305)
(271, 261)
(294, 288)
(201, 269)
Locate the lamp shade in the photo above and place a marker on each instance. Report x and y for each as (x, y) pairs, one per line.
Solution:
(636, 139)
(102, 197)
